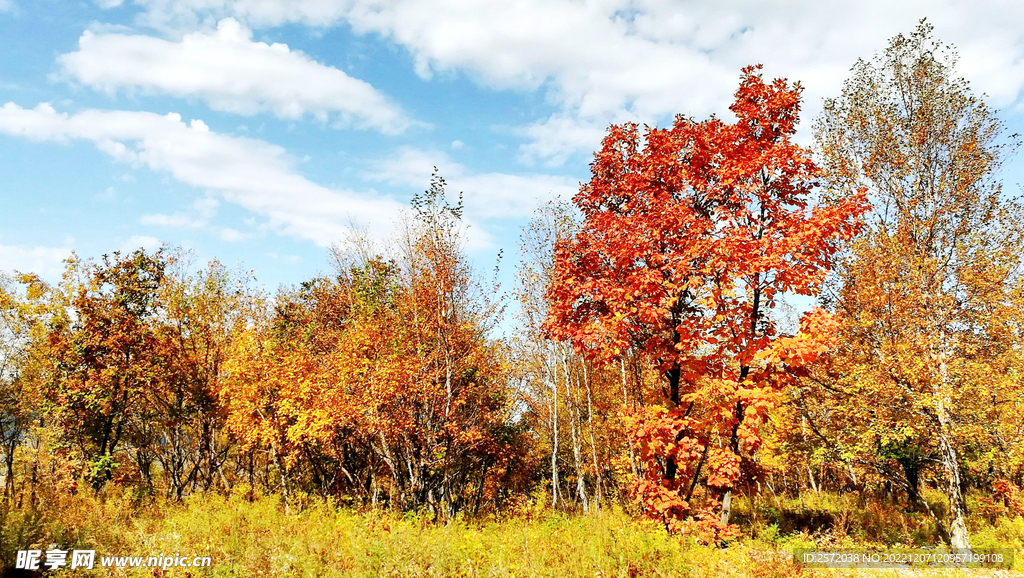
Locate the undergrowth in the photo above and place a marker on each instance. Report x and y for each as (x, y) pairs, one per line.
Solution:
(263, 538)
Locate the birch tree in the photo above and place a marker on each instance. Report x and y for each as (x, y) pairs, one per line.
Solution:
(930, 293)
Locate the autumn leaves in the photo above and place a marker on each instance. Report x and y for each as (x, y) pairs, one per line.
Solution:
(653, 364)
(379, 384)
(689, 236)
(929, 297)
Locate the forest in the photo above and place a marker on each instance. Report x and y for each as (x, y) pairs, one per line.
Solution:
(726, 346)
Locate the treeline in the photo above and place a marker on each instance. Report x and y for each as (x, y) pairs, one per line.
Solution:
(655, 364)
(378, 384)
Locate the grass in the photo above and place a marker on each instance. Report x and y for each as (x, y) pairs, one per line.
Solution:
(260, 539)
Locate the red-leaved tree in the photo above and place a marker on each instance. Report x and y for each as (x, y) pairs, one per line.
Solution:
(690, 236)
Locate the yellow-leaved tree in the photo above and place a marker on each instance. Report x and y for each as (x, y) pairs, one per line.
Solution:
(928, 370)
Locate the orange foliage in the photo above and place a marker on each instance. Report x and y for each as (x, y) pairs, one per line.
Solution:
(690, 236)
(381, 382)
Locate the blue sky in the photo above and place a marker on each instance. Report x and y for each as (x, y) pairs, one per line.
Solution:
(257, 131)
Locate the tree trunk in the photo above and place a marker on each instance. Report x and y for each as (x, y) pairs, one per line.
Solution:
(726, 507)
(734, 445)
(284, 476)
(581, 488)
(673, 376)
(625, 406)
(554, 433)
(593, 444)
(958, 536)
(912, 473)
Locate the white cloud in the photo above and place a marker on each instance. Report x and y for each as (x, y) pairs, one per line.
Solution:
(134, 242)
(5, 5)
(232, 73)
(603, 61)
(457, 144)
(108, 194)
(231, 235)
(485, 195)
(254, 174)
(552, 140)
(187, 14)
(46, 262)
(198, 216)
(108, 4)
(176, 221)
(287, 259)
